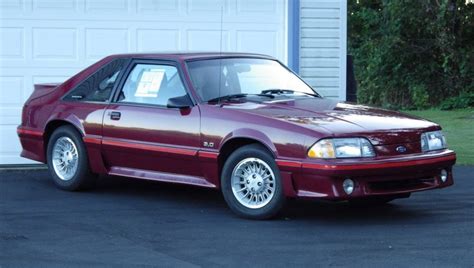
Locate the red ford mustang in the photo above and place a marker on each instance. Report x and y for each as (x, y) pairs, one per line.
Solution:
(242, 123)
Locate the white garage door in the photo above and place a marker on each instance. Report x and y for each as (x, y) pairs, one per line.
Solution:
(50, 40)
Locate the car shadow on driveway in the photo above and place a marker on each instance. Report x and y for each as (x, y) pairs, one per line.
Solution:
(335, 212)
(185, 202)
(212, 200)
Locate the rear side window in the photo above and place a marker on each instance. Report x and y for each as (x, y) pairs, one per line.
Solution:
(98, 87)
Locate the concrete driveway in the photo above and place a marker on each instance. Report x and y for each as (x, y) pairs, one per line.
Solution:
(125, 222)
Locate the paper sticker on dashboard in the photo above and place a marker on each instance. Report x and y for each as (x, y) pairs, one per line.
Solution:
(150, 83)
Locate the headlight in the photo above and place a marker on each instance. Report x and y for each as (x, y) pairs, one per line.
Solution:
(341, 148)
(433, 140)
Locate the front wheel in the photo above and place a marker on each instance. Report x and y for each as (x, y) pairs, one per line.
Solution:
(68, 161)
(251, 183)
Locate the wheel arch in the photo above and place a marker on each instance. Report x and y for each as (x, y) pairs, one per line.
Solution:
(54, 124)
(241, 138)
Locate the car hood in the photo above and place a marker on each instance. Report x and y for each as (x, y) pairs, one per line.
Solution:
(333, 118)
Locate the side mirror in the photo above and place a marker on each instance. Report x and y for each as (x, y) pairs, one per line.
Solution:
(180, 102)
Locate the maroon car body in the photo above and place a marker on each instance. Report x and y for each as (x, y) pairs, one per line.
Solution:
(172, 144)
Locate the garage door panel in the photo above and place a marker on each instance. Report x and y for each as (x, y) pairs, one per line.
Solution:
(264, 42)
(149, 40)
(207, 40)
(12, 92)
(11, 5)
(107, 6)
(157, 6)
(207, 6)
(14, 48)
(10, 115)
(8, 140)
(39, 79)
(264, 6)
(54, 5)
(103, 42)
(55, 43)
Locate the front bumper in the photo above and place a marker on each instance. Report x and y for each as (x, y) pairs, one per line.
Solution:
(380, 176)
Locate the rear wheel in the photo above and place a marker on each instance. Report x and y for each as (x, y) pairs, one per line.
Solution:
(68, 161)
(251, 183)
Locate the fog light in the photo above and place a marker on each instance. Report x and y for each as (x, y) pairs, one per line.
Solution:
(348, 186)
(444, 175)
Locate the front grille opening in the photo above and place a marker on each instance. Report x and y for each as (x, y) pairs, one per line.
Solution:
(402, 185)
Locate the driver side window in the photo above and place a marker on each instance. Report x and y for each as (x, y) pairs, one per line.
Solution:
(152, 84)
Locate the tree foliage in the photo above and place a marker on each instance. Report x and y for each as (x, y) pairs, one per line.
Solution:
(412, 53)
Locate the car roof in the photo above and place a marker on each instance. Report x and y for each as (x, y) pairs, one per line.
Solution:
(189, 56)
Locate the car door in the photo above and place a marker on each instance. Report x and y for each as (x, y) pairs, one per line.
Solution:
(141, 132)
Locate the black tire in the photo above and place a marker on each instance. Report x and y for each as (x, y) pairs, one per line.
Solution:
(277, 201)
(82, 178)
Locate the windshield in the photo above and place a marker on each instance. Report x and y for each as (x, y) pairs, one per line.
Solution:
(243, 76)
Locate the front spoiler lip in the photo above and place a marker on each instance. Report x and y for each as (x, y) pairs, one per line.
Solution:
(323, 179)
(445, 156)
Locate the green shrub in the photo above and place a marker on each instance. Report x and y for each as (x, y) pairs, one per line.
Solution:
(419, 96)
(464, 100)
(412, 54)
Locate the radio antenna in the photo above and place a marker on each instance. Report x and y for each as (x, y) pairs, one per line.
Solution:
(220, 54)
(222, 23)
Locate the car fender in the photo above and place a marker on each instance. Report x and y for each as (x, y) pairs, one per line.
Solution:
(67, 118)
(96, 162)
(253, 134)
(287, 180)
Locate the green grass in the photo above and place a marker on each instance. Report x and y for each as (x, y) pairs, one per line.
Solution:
(458, 127)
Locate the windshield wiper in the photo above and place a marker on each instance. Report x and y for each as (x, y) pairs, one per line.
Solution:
(279, 91)
(238, 96)
(228, 97)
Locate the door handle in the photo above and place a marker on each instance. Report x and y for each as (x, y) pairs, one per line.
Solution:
(115, 115)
